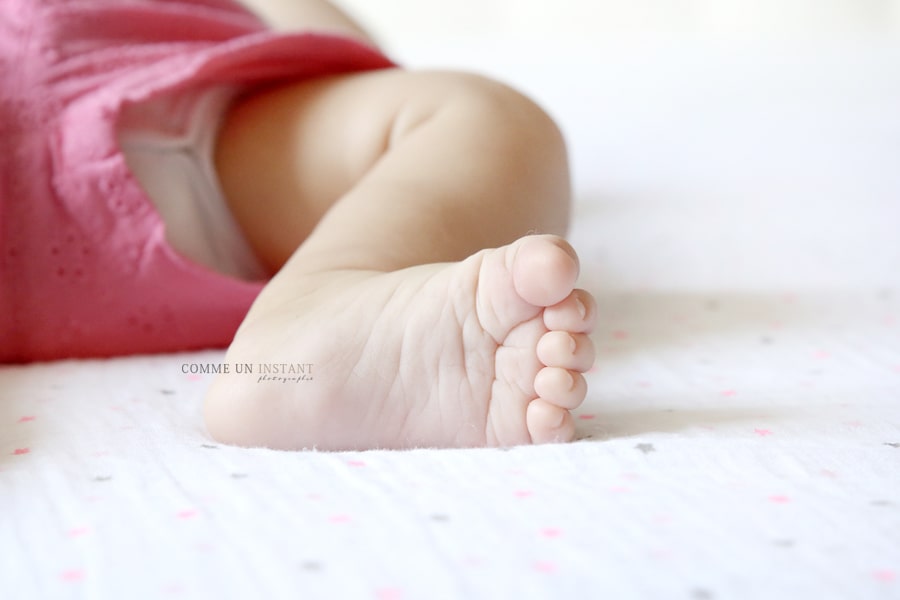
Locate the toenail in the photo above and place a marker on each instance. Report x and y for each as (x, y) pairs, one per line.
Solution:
(582, 309)
(559, 419)
(573, 345)
(571, 381)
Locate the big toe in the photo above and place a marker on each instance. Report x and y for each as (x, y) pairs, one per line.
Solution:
(544, 269)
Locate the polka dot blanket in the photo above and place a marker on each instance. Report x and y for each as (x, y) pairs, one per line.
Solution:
(737, 212)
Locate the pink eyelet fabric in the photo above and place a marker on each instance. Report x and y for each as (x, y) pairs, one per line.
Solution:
(85, 269)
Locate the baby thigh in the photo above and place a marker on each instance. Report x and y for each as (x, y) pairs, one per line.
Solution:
(344, 167)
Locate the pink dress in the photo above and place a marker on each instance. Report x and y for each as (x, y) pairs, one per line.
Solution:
(85, 269)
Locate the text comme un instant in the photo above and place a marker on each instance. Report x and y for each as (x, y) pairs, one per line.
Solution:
(292, 369)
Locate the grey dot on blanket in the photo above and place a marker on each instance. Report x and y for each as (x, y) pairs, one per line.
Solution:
(645, 448)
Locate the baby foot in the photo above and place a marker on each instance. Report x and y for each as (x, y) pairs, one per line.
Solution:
(489, 351)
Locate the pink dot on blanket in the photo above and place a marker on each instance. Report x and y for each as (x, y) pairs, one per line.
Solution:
(338, 519)
(885, 575)
(187, 514)
(20, 451)
(545, 566)
(79, 531)
(173, 589)
(523, 493)
(389, 594)
(356, 463)
(27, 419)
(779, 499)
(551, 532)
(72, 575)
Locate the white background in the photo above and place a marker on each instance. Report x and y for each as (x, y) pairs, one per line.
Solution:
(398, 23)
(776, 117)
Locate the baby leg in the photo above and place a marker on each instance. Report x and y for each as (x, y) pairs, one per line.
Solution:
(396, 207)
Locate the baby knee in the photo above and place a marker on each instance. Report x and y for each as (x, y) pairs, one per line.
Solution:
(509, 108)
(486, 108)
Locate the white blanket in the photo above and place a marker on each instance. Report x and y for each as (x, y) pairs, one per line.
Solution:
(738, 211)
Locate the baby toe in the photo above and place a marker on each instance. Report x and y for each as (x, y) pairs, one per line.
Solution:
(544, 269)
(577, 313)
(548, 423)
(560, 387)
(572, 351)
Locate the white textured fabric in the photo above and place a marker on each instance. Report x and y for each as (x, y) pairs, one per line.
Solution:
(737, 217)
(169, 143)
